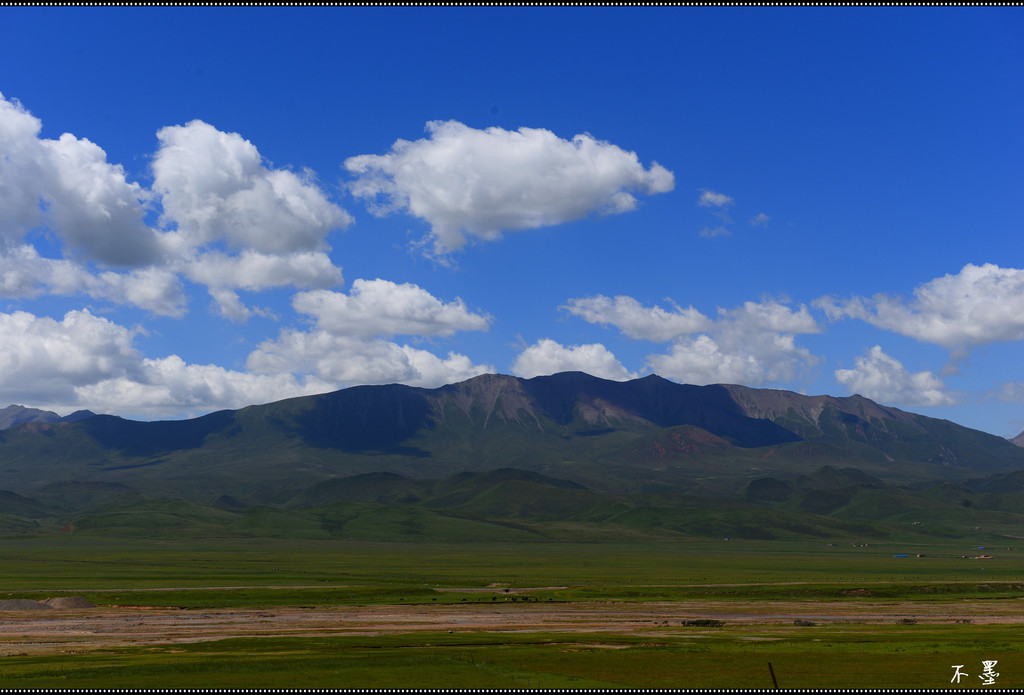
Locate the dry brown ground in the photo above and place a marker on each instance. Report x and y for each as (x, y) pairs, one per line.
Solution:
(39, 632)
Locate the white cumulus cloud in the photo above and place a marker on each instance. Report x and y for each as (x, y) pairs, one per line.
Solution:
(86, 361)
(883, 378)
(979, 305)
(349, 361)
(42, 358)
(732, 356)
(547, 357)
(637, 321)
(253, 270)
(769, 316)
(24, 273)
(216, 191)
(68, 187)
(467, 182)
(214, 187)
(702, 360)
(228, 220)
(384, 308)
(348, 346)
(171, 388)
(752, 344)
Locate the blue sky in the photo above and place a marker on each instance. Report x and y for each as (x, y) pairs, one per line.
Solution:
(203, 208)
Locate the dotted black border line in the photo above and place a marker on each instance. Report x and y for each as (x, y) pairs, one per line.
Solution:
(513, 691)
(526, 3)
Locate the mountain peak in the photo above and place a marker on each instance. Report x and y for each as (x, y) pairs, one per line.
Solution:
(14, 415)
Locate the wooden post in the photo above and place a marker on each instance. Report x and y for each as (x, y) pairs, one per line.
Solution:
(775, 683)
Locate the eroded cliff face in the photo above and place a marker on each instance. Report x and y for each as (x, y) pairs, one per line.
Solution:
(774, 405)
(486, 399)
(494, 400)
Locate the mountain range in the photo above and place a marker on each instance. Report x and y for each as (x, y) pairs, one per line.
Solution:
(14, 415)
(501, 454)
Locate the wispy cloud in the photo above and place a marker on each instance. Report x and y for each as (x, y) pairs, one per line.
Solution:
(1011, 391)
(709, 233)
(709, 198)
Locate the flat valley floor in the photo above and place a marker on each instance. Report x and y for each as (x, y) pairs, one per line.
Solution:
(700, 615)
(518, 645)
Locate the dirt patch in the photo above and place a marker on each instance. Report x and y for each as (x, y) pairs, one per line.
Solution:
(24, 632)
(497, 589)
(69, 602)
(857, 592)
(59, 602)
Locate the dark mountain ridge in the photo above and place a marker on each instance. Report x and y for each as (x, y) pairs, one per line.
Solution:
(646, 435)
(14, 415)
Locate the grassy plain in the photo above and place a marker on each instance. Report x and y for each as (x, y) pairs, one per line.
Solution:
(853, 656)
(822, 578)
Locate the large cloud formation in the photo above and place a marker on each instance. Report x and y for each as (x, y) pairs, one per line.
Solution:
(479, 183)
(87, 361)
(226, 220)
(216, 193)
(979, 305)
(219, 216)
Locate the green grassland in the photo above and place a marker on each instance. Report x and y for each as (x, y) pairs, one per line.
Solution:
(852, 656)
(393, 496)
(200, 574)
(84, 563)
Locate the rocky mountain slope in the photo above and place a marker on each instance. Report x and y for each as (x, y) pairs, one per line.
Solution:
(646, 435)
